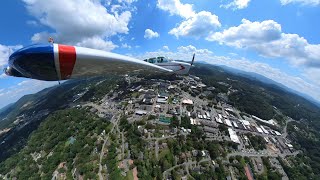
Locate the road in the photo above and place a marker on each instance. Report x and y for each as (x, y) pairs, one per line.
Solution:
(122, 139)
(186, 164)
(261, 155)
(157, 143)
(161, 138)
(285, 133)
(114, 121)
(156, 148)
(98, 107)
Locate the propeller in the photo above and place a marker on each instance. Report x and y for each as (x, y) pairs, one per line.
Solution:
(194, 54)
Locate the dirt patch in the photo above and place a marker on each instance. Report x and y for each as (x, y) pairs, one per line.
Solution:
(135, 173)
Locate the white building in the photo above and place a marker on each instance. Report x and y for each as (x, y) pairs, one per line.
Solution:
(259, 130)
(235, 124)
(264, 130)
(187, 102)
(141, 112)
(245, 122)
(277, 133)
(218, 120)
(233, 136)
(228, 122)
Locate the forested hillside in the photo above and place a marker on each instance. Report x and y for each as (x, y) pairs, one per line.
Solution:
(67, 137)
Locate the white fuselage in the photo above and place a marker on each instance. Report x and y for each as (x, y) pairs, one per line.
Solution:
(176, 66)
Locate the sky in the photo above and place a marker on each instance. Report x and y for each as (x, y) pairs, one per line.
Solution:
(278, 39)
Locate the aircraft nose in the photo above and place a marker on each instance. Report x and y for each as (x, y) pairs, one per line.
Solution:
(7, 71)
(35, 61)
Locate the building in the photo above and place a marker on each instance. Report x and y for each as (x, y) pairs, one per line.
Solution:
(194, 122)
(233, 136)
(147, 100)
(245, 122)
(277, 133)
(271, 121)
(141, 112)
(218, 119)
(264, 130)
(259, 130)
(228, 122)
(163, 95)
(235, 124)
(187, 102)
(161, 100)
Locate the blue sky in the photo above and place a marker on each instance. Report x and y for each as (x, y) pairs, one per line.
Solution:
(275, 38)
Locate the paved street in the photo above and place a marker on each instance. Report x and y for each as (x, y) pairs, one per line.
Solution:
(261, 154)
(187, 164)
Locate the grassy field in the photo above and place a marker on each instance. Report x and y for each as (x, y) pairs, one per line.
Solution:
(129, 175)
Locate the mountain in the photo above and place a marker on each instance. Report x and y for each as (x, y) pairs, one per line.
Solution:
(259, 77)
(4, 109)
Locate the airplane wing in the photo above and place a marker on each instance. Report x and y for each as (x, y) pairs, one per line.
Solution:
(52, 62)
(90, 62)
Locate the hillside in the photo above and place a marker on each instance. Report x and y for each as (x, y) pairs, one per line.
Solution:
(28, 112)
(257, 77)
(76, 140)
(258, 98)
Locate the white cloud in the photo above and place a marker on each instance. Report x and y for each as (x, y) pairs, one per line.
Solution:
(297, 83)
(78, 21)
(267, 39)
(149, 34)
(126, 46)
(199, 25)
(303, 2)
(127, 1)
(313, 74)
(165, 48)
(236, 4)
(175, 7)
(192, 49)
(29, 86)
(5, 52)
(97, 43)
(194, 24)
(184, 53)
